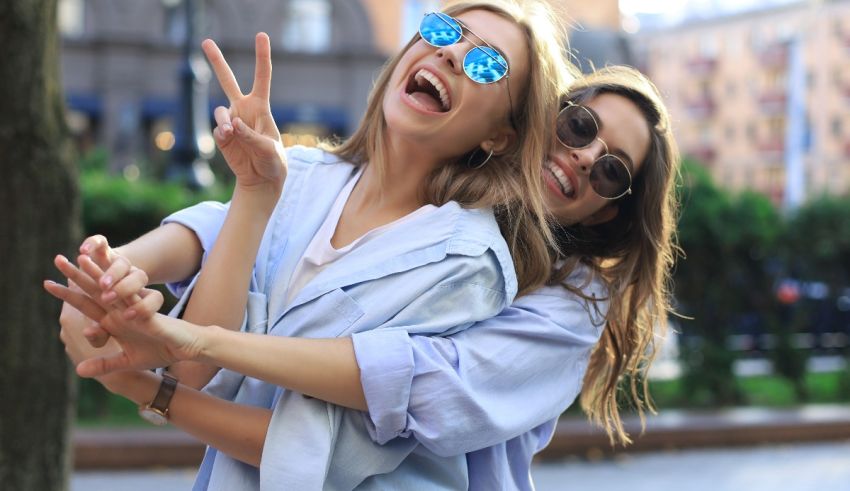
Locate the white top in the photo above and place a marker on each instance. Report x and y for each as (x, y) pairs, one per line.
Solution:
(321, 253)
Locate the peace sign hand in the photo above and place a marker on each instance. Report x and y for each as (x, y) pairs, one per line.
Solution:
(246, 133)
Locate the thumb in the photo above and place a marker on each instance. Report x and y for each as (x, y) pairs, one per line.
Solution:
(249, 136)
(95, 367)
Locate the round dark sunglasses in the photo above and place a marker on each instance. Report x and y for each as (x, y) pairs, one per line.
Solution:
(577, 127)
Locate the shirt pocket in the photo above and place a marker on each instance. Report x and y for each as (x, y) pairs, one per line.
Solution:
(327, 316)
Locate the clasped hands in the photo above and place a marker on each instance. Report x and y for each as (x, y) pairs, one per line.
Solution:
(108, 290)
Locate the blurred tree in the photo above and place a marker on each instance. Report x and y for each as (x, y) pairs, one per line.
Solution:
(39, 199)
(699, 288)
(725, 275)
(818, 249)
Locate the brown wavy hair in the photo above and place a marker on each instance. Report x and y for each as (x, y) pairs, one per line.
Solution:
(632, 254)
(511, 182)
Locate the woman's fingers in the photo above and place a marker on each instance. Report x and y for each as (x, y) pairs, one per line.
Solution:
(97, 247)
(106, 297)
(84, 281)
(223, 131)
(128, 287)
(78, 300)
(115, 272)
(95, 335)
(263, 68)
(255, 140)
(145, 308)
(222, 117)
(222, 71)
(95, 367)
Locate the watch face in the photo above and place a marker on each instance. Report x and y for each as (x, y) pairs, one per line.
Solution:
(153, 416)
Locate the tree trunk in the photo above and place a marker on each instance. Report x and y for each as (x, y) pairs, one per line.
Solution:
(39, 205)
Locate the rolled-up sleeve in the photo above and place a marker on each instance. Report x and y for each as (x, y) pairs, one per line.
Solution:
(484, 385)
(386, 364)
(205, 220)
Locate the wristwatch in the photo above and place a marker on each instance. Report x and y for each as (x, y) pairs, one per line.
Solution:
(156, 412)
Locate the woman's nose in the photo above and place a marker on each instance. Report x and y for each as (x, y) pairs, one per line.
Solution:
(584, 157)
(451, 57)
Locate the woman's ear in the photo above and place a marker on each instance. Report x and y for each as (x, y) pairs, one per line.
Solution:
(604, 214)
(502, 141)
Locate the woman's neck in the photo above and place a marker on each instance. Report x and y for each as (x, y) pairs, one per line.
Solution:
(405, 170)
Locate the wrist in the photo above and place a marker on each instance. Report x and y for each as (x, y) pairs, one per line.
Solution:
(259, 197)
(210, 338)
(264, 192)
(138, 387)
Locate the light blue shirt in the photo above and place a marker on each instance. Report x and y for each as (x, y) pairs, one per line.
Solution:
(490, 395)
(434, 275)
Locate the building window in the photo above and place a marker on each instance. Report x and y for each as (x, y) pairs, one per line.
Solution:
(72, 18)
(307, 26)
(837, 126)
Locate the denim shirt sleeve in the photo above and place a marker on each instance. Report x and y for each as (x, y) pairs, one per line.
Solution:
(484, 385)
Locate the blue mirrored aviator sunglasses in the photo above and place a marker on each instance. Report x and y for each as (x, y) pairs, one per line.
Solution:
(483, 64)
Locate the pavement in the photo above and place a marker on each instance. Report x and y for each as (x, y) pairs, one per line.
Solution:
(787, 467)
(138, 448)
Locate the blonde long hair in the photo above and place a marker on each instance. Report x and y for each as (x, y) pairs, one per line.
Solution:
(633, 254)
(511, 183)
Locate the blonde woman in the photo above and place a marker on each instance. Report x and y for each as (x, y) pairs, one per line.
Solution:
(402, 212)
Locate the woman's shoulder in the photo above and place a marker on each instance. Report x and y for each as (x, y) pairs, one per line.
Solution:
(473, 235)
(306, 165)
(581, 296)
(582, 285)
(300, 154)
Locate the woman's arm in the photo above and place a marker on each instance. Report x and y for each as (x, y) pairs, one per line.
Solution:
(490, 383)
(169, 253)
(235, 429)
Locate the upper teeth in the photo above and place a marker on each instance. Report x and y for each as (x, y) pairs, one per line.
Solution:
(430, 77)
(566, 185)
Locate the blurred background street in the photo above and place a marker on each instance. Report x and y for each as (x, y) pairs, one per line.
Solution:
(814, 467)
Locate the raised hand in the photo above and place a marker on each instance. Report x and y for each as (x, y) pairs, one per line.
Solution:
(246, 133)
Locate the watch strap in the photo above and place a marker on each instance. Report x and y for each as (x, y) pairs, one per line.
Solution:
(164, 394)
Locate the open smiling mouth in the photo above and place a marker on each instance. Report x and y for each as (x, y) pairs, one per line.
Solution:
(560, 178)
(426, 90)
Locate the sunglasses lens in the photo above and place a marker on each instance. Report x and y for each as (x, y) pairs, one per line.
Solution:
(610, 177)
(576, 127)
(439, 29)
(484, 65)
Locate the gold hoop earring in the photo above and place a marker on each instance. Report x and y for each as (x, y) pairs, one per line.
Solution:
(480, 165)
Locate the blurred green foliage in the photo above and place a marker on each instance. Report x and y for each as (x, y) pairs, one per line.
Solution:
(122, 210)
(737, 248)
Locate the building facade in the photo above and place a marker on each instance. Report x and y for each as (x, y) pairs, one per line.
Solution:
(728, 82)
(121, 61)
